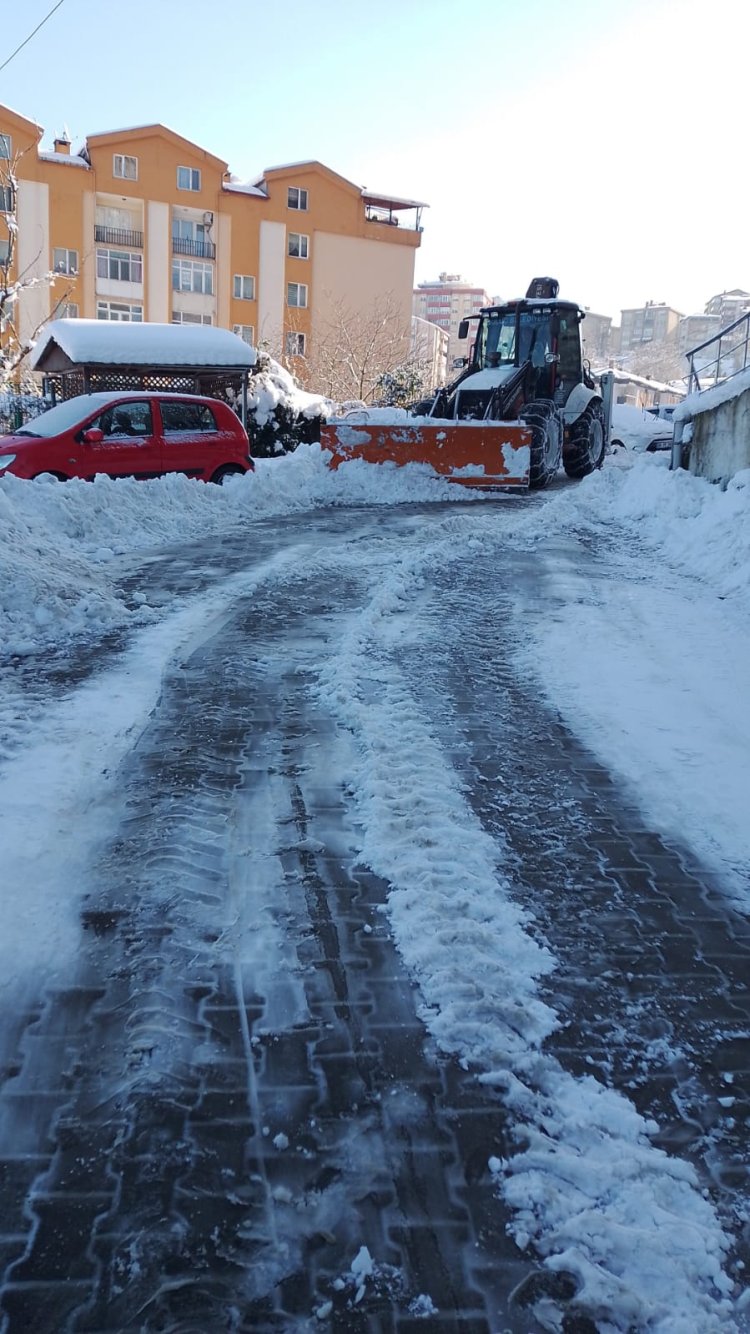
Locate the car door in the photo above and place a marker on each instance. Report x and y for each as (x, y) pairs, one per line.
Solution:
(191, 437)
(130, 445)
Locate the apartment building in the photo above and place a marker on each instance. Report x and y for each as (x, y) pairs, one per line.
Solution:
(141, 224)
(728, 306)
(652, 323)
(446, 303)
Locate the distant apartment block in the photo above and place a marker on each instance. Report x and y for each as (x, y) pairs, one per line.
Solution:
(652, 323)
(720, 312)
(142, 224)
(445, 303)
(728, 306)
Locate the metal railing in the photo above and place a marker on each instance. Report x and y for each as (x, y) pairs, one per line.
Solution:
(118, 236)
(198, 249)
(731, 345)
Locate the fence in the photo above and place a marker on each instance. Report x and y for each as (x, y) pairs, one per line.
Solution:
(15, 409)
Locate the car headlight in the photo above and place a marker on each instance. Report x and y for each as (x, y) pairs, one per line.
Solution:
(6, 460)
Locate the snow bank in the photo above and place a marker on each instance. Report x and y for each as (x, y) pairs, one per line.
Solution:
(65, 544)
(713, 397)
(686, 521)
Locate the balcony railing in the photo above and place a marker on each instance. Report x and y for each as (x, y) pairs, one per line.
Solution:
(118, 236)
(198, 249)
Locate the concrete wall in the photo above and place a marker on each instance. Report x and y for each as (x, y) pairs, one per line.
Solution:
(720, 444)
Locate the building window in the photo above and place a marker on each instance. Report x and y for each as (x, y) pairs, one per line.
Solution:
(295, 345)
(65, 261)
(296, 198)
(5, 146)
(296, 294)
(298, 246)
(66, 311)
(188, 178)
(123, 266)
(244, 287)
(6, 199)
(119, 310)
(126, 168)
(244, 331)
(191, 276)
(182, 317)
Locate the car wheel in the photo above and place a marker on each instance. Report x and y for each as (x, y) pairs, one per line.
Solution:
(228, 470)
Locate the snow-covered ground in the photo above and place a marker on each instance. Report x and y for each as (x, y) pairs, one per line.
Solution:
(662, 701)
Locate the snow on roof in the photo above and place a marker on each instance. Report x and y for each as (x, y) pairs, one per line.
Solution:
(67, 159)
(244, 188)
(99, 342)
(286, 166)
(644, 381)
(383, 200)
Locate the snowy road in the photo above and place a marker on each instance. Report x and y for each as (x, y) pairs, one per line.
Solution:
(348, 985)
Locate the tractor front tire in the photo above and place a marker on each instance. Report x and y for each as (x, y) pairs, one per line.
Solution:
(543, 420)
(587, 442)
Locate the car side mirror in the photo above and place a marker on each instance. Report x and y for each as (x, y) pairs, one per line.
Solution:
(93, 436)
(463, 330)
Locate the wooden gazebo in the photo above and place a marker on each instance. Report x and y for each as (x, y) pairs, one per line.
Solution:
(81, 356)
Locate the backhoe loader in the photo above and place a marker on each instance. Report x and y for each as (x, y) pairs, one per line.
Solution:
(524, 402)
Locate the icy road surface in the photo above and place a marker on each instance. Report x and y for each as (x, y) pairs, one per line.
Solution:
(346, 985)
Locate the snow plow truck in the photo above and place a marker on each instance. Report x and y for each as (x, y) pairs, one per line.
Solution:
(524, 403)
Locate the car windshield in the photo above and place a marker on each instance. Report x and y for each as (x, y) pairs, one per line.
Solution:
(500, 343)
(63, 417)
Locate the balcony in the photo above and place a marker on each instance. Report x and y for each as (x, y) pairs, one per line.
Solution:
(118, 236)
(196, 249)
(392, 212)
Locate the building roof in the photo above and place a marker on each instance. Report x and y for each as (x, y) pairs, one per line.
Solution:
(111, 343)
(155, 130)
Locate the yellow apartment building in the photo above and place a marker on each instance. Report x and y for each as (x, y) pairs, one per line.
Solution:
(141, 224)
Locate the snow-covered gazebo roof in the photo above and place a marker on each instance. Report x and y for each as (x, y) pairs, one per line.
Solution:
(65, 345)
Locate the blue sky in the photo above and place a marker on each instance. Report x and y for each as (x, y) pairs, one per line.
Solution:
(601, 142)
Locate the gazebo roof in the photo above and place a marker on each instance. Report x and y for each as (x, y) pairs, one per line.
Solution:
(66, 345)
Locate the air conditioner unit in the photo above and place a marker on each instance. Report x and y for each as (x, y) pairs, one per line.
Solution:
(208, 219)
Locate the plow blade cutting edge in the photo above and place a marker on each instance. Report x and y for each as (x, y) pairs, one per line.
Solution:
(472, 454)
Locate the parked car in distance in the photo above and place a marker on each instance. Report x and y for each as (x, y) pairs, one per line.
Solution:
(142, 434)
(638, 429)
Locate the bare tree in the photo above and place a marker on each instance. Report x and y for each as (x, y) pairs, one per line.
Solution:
(659, 361)
(353, 350)
(14, 348)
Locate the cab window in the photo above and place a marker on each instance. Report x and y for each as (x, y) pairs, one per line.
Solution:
(177, 418)
(125, 419)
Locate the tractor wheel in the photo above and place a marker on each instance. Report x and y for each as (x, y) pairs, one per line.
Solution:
(545, 425)
(587, 442)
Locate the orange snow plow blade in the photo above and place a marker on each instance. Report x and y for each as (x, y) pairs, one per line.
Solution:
(473, 454)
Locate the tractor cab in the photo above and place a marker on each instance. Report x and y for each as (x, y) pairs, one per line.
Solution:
(543, 335)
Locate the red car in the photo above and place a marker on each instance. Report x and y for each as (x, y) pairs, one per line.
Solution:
(138, 434)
